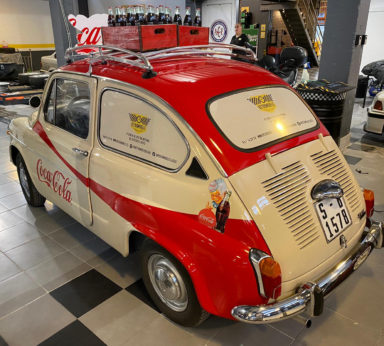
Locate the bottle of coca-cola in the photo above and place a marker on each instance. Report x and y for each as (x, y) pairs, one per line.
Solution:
(161, 14)
(142, 17)
(157, 16)
(117, 16)
(168, 16)
(111, 17)
(132, 15)
(188, 17)
(197, 21)
(123, 16)
(150, 14)
(177, 17)
(222, 212)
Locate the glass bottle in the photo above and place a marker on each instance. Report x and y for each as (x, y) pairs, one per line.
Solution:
(117, 16)
(197, 21)
(188, 18)
(132, 15)
(161, 14)
(150, 14)
(177, 17)
(111, 17)
(222, 212)
(123, 16)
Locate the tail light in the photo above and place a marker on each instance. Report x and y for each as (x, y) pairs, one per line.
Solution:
(369, 198)
(268, 274)
(378, 106)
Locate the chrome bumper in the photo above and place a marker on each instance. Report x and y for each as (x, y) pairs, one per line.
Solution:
(310, 297)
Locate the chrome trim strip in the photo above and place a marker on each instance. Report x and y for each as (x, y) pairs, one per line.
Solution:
(304, 300)
(256, 256)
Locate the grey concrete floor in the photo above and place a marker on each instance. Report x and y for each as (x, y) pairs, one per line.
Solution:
(41, 250)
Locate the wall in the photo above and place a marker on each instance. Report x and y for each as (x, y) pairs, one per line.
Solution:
(259, 17)
(26, 24)
(374, 49)
(101, 6)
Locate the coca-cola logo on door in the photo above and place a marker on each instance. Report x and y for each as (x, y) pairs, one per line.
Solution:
(54, 180)
(90, 28)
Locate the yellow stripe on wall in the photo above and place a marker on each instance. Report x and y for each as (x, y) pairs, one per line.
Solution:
(32, 45)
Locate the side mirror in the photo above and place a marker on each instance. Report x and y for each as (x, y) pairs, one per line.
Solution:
(35, 101)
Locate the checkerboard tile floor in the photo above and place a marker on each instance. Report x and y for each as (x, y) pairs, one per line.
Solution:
(61, 285)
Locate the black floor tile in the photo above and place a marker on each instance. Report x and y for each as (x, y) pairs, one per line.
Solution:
(139, 291)
(85, 292)
(352, 160)
(74, 334)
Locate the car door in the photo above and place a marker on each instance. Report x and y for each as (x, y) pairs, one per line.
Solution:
(66, 129)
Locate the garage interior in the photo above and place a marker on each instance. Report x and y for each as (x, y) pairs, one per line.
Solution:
(60, 284)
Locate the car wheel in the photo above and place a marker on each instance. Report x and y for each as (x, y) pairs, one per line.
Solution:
(32, 196)
(170, 286)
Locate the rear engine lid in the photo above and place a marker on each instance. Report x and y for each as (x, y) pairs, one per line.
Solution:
(277, 193)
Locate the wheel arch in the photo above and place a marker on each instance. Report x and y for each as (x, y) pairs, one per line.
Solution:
(186, 260)
(13, 152)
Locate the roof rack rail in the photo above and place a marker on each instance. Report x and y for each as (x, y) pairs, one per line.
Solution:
(103, 52)
(209, 49)
(141, 60)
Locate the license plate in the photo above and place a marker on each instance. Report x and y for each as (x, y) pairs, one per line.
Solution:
(333, 216)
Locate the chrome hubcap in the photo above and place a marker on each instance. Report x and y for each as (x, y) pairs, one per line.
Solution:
(24, 180)
(167, 282)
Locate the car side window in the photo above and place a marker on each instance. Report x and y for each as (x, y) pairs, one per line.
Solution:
(68, 106)
(133, 126)
(49, 111)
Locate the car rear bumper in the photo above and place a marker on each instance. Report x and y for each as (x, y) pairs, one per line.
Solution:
(310, 297)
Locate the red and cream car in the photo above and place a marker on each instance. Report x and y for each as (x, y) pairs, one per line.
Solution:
(240, 202)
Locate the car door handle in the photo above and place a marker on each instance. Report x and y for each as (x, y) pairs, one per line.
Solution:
(80, 152)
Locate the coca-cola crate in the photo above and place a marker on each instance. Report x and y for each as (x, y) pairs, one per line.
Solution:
(141, 37)
(192, 35)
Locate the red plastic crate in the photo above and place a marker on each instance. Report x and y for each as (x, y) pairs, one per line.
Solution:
(192, 35)
(141, 38)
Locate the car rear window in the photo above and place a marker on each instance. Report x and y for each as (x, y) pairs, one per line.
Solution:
(256, 118)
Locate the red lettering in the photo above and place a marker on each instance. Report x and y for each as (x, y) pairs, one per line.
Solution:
(56, 181)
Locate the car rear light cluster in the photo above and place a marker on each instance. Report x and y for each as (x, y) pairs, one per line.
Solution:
(378, 106)
(369, 198)
(268, 274)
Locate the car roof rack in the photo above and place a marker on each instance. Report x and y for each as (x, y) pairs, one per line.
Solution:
(142, 60)
(209, 49)
(103, 53)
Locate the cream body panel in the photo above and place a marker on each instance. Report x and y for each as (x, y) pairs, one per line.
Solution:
(299, 250)
(79, 207)
(147, 184)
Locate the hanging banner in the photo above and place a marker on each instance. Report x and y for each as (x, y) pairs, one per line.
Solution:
(90, 28)
(220, 20)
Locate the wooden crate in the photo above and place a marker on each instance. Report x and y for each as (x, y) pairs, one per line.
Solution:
(192, 35)
(141, 37)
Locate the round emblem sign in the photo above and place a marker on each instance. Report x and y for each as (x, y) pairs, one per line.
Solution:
(219, 31)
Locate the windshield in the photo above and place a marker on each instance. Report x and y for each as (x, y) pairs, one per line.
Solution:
(253, 119)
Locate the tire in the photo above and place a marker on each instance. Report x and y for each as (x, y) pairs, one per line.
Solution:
(32, 196)
(177, 301)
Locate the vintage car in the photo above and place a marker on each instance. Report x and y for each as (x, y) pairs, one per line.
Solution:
(217, 171)
(375, 119)
(48, 63)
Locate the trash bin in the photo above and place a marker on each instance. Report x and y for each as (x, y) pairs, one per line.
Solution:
(362, 86)
(327, 101)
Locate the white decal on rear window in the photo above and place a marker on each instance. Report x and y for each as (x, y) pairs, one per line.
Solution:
(254, 118)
